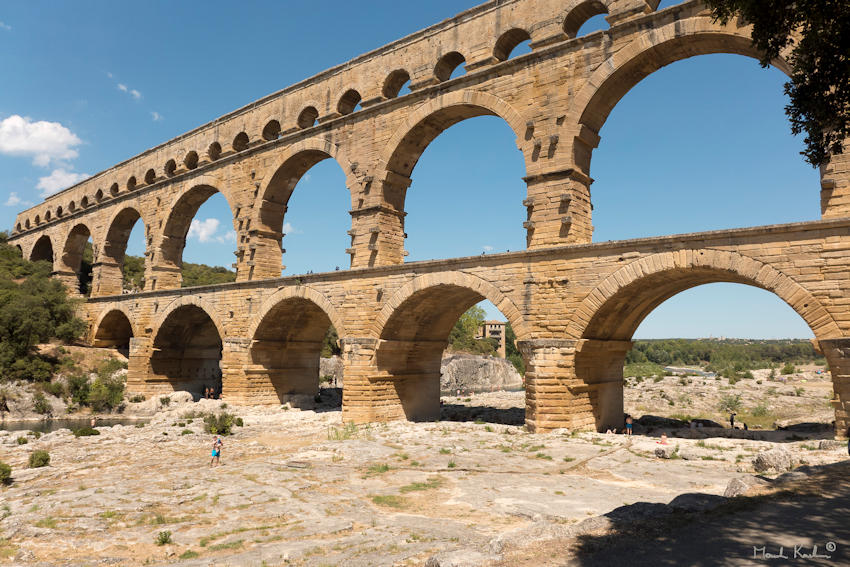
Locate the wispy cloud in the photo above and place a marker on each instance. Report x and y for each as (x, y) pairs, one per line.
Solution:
(488, 248)
(205, 231)
(45, 142)
(125, 89)
(289, 229)
(14, 200)
(156, 116)
(59, 179)
(5, 26)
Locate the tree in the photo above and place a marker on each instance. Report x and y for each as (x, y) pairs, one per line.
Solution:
(462, 336)
(819, 88)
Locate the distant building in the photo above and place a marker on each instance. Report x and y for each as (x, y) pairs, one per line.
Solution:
(493, 330)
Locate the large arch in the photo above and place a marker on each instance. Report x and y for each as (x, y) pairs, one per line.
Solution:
(42, 250)
(413, 330)
(266, 232)
(182, 210)
(609, 315)
(113, 329)
(109, 279)
(72, 255)
(678, 40)
(286, 342)
(187, 348)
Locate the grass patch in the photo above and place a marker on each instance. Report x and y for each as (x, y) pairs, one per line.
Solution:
(232, 545)
(432, 483)
(347, 431)
(48, 522)
(189, 554)
(377, 469)
(543, 456)
(389, 500)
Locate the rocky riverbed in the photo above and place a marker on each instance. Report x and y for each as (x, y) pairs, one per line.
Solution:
(302, 488)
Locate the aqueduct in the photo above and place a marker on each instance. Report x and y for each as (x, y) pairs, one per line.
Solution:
(573, 304)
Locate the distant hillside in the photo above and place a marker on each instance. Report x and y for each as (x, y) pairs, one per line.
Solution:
(193, 274)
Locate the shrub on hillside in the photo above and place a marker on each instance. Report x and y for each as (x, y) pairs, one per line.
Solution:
(106, 394)
(86, 431)
(5, 473)
(39, 459)
(220, 424)
(40, 404)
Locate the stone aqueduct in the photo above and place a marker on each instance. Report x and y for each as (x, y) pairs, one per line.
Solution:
(574, 304)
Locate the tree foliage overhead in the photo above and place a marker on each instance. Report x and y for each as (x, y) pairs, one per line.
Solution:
(819, 89)
(462, 336)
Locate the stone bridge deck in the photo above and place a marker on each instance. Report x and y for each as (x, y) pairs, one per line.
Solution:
(573, 308)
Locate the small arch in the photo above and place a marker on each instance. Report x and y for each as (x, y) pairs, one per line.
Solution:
(214, 151)
(447, 64)
(394, 82)
(131, 183)
(59, 211)
(348, 102)
(170, 167)
(47, 216)
(114, 189)
(271, 131)
(113, 252)
(42, 250)
(191, 160)
(150, 177)
(113, 330)
(27, 223)
(19, 227)
(72, 206)
(580, 14)
(84, 202)
(37, 220)
(508, 42)
(99, 195)
(240, 142)
(73, 256)
(308, 117)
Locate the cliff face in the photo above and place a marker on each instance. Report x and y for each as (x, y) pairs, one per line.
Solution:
(466, 372)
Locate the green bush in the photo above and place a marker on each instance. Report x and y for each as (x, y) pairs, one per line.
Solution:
(5, 473)
(220, 424)
(760, 410)
(137, 398)
(55, 389)
(730, 403)
(163, 538)
(40, 404)
(86, 431)
(106, 393)
(788, 368)
(238, 422)
(22, 441)
(78, 388)
(39, 459)
(164, 401)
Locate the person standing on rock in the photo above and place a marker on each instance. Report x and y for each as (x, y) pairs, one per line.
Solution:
(216, 452)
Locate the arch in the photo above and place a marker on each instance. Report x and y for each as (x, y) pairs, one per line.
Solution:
(72, 254)
(114, 189)
(434, 117)
(84, 202)
(240, 142)
(508, 42)
(348, 102)
(170, 167)
(150, 176)
(307, 117)
(27, 223)
(299, 292)
(131, 183)
(99, 195)
(615, 308)
(471, 288)
(394, 83)
(110, 277)
(627, 67)
(273, 197)
(18, 227)
(59, 211)
(191, 160)
(113, 329)
(447, 64)
(72, 206)
(37, 220)
(187, 347)
(183, 209)
(287, 337)
(42, 249)
(214, 151)
(191, 301)
(579, 14)
(47, 215)
(271, 131)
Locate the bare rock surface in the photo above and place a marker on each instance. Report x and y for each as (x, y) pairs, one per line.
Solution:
(472, 373)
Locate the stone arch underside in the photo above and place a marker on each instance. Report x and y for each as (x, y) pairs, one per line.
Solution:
(109, 279)
(71, 260)
(286, 344)
(169, 264)
(186, 351)
(605, 321)
(264, 256)
(113, 330)
(623, 70)
(413, 330)
(42, 250)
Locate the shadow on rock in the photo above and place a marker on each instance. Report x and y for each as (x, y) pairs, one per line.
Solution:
(502, 416)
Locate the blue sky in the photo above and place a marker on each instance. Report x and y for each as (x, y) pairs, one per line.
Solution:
(702, 144)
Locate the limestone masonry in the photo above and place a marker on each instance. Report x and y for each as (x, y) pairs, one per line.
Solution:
(573, 304)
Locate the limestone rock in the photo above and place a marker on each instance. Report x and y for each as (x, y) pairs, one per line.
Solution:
(331, 367)
(468, 372)
(830, 444)
(778, 460)
(742, 485)
(664, 451)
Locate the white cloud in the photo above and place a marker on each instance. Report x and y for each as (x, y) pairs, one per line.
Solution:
(44, 141)
(59, 179)
(488, 248)
(306, 178)
(289, 229)
(14, 200)
(156, 116)
(109, 75)
(125, 89)
(205, 231)
(5, 26)
(122, 88)
(135, 94)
